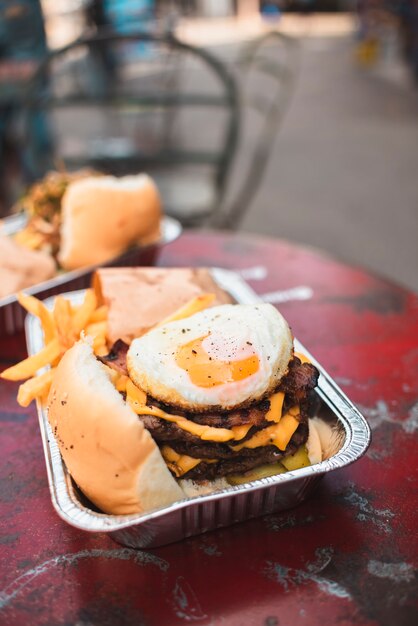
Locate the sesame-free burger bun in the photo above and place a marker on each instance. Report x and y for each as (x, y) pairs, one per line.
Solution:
(107, 450)
(104, 215)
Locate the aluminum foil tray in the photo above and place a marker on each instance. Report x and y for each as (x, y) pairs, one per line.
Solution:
(206, 512)
(12, 315)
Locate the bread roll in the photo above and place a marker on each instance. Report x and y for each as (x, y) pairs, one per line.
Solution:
(140, 297)
(107, 450)
(102, 216)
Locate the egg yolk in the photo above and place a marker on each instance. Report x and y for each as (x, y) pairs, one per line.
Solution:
(206, 371)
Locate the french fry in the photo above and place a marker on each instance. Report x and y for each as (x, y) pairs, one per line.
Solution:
(63, 320)
(199, 303)
(38, 308)
(98, 328)
(28, 367)
(62, 328)
(37, 387)
(98, 332)
(83, 313)
(99, 315)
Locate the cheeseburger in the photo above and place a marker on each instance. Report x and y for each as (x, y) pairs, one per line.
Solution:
(194, 402)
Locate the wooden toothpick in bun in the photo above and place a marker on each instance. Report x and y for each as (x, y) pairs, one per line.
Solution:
(102, 216)
(107, 450)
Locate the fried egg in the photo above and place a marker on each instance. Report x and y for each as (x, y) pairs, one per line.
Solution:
(225, 357)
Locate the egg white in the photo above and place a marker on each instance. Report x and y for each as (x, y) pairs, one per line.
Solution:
(235, 331)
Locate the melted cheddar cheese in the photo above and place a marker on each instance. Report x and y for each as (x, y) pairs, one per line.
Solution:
(278, 434)
(274, 413)
(136, 399)
(179, 464)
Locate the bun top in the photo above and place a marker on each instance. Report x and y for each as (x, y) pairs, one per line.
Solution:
(140, 297)
(107, 450)
(104, 215)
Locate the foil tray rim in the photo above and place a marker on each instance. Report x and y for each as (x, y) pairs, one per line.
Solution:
(68, 507)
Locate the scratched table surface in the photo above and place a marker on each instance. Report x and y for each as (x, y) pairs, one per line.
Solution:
(347, 555)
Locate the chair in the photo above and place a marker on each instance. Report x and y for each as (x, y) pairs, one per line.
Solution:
(125, 103)
(140, 102)
(265, 71)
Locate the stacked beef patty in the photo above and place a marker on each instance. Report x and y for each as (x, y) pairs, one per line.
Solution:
(220, 459)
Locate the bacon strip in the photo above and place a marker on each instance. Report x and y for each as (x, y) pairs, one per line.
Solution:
(116, 359)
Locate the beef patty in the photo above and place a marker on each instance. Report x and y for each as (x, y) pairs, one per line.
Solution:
(252, 458)
(297, 386)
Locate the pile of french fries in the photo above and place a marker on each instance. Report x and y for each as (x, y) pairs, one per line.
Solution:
(62, 327)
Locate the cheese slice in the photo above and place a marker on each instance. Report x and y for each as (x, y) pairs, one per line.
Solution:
(207, 433)
(276, 435)
(288, 425)
(179, 464)
(121, 382)
(276, 407)
(241, 431)
(134, 393)
(136, 398)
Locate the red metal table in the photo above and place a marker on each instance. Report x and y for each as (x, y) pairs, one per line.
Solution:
(348, 555)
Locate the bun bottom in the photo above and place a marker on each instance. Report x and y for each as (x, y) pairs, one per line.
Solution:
(107, 450)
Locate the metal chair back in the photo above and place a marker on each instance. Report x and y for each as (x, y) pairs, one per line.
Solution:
(124, 103)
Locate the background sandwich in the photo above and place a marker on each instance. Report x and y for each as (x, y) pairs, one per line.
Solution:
(85, 218)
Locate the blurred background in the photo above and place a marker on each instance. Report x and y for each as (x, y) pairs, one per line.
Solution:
(291, 118)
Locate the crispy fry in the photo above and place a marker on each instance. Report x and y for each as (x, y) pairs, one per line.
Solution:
(190, 308)
(62, 328)
(98, 328)
(63, 321)
(29, 367)
(38, 308)
(100, 314)
(37, 387)
(83, 313)
(98, 332)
